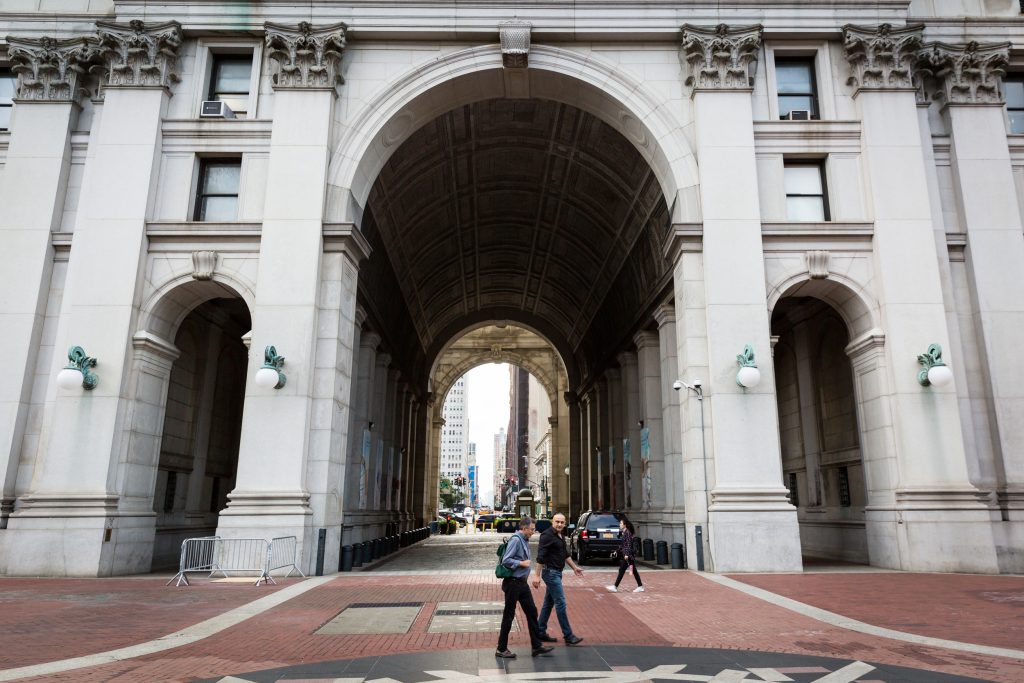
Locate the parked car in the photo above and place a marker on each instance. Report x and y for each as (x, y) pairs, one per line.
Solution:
(596, 535)
(489, 518)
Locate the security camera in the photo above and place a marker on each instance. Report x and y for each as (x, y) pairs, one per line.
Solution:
(696, 382)
(677, 385)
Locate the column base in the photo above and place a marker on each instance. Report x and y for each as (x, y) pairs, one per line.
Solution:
(673, 527)
(933, 530)
(77, 535)
(753, 530)
(271, 514)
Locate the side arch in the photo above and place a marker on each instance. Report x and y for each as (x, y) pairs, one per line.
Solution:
(858, 310)
(163, 312)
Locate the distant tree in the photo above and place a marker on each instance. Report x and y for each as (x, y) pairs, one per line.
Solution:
(446, 494)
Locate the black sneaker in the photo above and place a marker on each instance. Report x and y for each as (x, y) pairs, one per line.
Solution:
(545, 638)
(542, 650)
(573, 640)
(507, 654)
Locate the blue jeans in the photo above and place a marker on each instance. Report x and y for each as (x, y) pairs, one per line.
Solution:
(554, 596)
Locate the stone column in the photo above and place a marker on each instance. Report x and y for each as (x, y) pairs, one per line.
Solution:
(988, 203)
(613, 443)
(651, 475)
(32, 194)
(195, 512)
(91, 492)
(936, 520)
(808, 416)
(672, 514)
(588, 419)
(630, 430)
(752, 525)
(574, 435)
(271, 496)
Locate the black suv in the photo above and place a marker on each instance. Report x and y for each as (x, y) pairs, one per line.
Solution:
(596, 535)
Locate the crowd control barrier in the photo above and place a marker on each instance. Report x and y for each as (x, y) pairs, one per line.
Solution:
(236, 555)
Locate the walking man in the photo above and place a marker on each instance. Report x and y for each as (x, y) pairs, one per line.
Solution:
(517, 590)
(552, 556)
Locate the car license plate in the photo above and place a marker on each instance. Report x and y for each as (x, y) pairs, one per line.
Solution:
(607, 535)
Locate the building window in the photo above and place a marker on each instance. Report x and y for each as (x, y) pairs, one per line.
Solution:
(805, 192)
(795, 88)
(229, 81)
(7, 85)
(217, 194)
(1013, 88)
(844, 487)
(794, 498)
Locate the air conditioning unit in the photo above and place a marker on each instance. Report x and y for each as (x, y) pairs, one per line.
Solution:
(215, 109)
(797, 115)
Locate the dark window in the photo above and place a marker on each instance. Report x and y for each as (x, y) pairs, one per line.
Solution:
(229, 81)
(805, 192)
(7, 85)
(217, 194)
(598, 521)
(170, 490)
(795, 86)
(844, 487)
(794, 497)
(1013, 87)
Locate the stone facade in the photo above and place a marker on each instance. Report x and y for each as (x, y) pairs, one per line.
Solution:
(613, 198)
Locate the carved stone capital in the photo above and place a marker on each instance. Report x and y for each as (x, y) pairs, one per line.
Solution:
(967, 74)
(50, 70)
(306, 57)
(138, 55)
(515, 43)
(882, 57)
(721, 58)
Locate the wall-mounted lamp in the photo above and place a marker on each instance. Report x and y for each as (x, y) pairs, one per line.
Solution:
(935, 371)
(567, 470)
(748, 375)
(269, 376)
(76, 372)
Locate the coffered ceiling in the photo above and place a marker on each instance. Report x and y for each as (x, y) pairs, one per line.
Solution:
(524, 205)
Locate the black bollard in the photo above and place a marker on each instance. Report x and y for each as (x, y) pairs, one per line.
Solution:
(375, 549)
(367, 552)
(357, 555)
(648, 549)
(677, 556)
(346, 558)
(662, 552)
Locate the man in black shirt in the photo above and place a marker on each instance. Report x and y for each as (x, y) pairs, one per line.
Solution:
(552, 556)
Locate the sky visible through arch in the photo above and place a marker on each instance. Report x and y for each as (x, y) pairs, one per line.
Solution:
(487, 387)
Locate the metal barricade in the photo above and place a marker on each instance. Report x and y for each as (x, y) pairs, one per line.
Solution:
(197, 555)
(282, 553)
(224, 555)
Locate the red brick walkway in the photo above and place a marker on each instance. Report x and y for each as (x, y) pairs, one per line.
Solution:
(680, 609)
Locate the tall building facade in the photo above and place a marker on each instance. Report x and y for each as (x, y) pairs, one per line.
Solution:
(766, 269)
(501, 471)
(455, 433)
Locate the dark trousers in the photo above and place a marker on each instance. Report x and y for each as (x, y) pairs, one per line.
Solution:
(624, 564)
(518, 591)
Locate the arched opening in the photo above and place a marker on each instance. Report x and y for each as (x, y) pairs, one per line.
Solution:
(822, 462)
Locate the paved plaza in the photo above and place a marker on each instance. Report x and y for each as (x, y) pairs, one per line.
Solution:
(431, 612)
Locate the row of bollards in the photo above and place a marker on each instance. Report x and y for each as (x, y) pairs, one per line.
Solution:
(360, 554)
(659, 552)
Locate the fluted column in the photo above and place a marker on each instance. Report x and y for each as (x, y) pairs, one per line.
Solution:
(752, 525)
(672, 514)
(930, 507)
(613, 442)
(650, 453)
(630, 430)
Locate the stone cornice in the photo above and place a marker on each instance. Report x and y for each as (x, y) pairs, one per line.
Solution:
(882, 57)
(721, 58)
(967, 73)
(137, 54)
(308, 57)
(50, 70)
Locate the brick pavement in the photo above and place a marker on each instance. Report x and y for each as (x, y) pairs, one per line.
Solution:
(679, 609)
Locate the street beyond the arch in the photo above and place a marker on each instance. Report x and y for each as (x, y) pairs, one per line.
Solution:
(430, 612)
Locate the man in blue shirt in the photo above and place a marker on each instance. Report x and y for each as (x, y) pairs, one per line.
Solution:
(517, 590)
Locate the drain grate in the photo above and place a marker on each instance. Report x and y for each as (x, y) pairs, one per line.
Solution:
(385, 604)
(466, 612)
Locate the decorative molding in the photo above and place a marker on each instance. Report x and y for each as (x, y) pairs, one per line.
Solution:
(51, 70)
(515, 43)
(307, 57)
(817, 263)
(645, 339)
(138, 54)
(967, 74)
(863, 350)
(348, 239)
(721, 58)
(882, 58)
(664, 315)
(204, 263)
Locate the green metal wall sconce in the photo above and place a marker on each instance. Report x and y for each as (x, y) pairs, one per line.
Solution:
(76, 372)
(748, 375)
(935, 371)
(269, 376)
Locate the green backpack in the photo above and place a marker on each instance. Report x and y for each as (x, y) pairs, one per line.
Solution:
(501, 571)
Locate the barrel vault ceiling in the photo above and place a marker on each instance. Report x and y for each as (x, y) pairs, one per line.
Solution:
(529, 205)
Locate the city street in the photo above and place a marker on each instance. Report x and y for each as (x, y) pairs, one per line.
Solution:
(430, 612)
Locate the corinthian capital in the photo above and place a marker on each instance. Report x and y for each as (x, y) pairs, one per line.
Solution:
(307, 57)
(721, 58)
(882, 57)
(138, 54)
(50, 70)
(968, 74)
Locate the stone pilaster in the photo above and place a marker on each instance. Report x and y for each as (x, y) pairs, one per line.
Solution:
(672, 481)
(934, 508)
(752, 525)
(629, 445)
(650, 472)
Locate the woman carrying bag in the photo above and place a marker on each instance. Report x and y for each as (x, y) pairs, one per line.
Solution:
(626, 557)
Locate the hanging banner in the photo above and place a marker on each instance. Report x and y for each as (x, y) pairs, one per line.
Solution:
(627, 471)
(377, 474)
(611, 475)
(364, 468)
(645, 465)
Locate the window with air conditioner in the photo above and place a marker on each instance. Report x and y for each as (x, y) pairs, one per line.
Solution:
(217, 190)
(806, 199)
(1013, 88)
(796, 88)
(7, 85)
(230, 76)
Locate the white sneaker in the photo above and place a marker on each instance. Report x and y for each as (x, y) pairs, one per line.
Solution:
(638, 589)
(612, 589)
